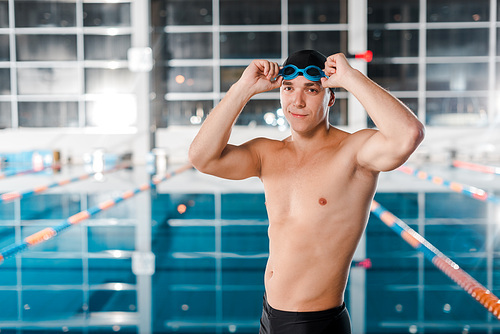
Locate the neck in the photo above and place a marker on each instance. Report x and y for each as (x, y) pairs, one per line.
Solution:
(311, 139)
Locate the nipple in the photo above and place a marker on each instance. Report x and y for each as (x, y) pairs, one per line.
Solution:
(322, 201)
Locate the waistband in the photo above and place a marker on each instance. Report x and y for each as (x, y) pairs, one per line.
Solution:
(330, 313)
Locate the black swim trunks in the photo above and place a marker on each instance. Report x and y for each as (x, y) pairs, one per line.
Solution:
(332, 321)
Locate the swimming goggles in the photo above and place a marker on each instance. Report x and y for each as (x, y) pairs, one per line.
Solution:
(312, 73)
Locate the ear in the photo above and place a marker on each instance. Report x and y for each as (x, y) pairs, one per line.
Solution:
(332, 98)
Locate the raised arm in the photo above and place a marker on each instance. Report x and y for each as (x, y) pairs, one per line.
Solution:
(210, 152)
(399, 131)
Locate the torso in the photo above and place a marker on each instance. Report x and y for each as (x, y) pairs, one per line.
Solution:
(317, 206)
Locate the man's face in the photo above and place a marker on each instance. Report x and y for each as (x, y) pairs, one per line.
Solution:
(305, 103)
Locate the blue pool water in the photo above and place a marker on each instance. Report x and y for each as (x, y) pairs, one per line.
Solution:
(210, 251)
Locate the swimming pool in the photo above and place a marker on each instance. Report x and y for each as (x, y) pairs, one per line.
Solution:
(209, 239)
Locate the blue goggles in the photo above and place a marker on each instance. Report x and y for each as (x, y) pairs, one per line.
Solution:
(312, 73)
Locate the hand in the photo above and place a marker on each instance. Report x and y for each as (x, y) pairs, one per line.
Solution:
(337, 68)
(261, 76)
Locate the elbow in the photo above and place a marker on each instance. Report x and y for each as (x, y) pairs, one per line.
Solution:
(195, 159)
(198, 160)
(418, 134)
(414, 137)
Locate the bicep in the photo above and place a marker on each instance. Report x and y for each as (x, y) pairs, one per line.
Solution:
(378, 153)
(236, 162)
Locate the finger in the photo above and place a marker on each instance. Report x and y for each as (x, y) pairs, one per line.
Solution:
(277, 83)
(341, 55)
(259, 68)
(330, 70)
(330, 65)
(271, 69)
(326, 83)
(267, 68)
(276, 67)
(275, 70)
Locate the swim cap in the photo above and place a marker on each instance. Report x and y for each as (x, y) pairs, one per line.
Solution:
(305, 58)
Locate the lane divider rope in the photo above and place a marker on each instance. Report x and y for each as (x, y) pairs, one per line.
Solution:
(470, 191)
(50, 232)
(10, 196)
(441, 261)
(476, 167)
(7, 174)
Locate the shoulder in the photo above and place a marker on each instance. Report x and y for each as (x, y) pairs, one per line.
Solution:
(262, 141)
(359, 137)
(263, 145)
(341, 138)
(349, 145)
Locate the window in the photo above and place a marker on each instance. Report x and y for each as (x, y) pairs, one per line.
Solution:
(498, 42)
(48, 114)
(256, 110)
(393, 11)
(4, 48)
(111, 111)
(229, 75)
(498, 83)
(245, 12)
(182, 12)
(457, 111)
(393, 43)
(109, 81)
(99, 47)
(46, 47)
(189, 46)
(317, 11)
(5, 115)
(50, 81)
(250, 45)
(457, 77)
(5, 81)
(337, 41)
(458, 11)
(189, 79)
(247, 30)
(106, 14)
(4, 14)
(395, 77)
(457, 42)
(183, 113)
(45, 13)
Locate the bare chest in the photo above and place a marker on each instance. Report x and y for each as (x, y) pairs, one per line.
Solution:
(305, 184)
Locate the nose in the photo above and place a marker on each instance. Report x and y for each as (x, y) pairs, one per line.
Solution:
(298, 99)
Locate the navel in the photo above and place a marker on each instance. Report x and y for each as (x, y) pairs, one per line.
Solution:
(322, 201)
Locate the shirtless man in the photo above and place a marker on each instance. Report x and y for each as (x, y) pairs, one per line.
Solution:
(319, 182)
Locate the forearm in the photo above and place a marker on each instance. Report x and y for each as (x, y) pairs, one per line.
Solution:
(393, 119)
(216, 129)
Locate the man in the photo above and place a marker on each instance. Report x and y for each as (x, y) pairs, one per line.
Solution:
(319, 182)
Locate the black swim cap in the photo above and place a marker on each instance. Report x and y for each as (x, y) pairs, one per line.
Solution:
(305, 58)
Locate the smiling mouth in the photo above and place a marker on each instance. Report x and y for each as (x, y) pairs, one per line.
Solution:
(297, 115)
